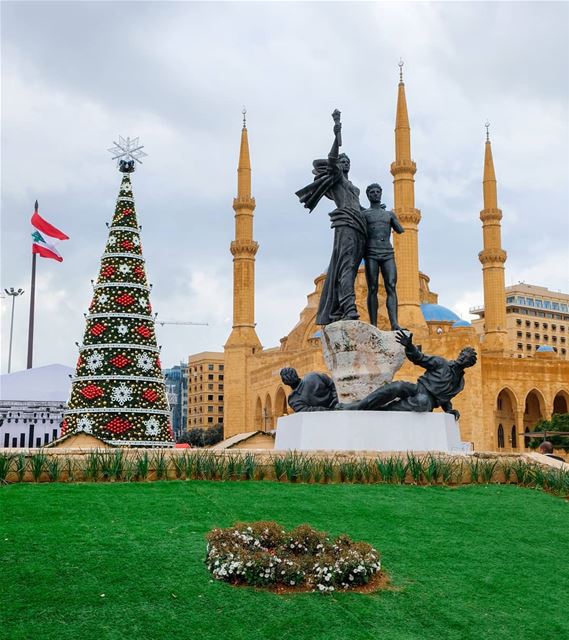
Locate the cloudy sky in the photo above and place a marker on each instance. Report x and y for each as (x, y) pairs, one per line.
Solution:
(77, 74)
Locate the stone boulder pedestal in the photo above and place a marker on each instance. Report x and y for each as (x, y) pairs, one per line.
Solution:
(360, 357)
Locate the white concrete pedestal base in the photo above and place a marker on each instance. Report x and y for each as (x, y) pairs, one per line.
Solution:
(368, 431)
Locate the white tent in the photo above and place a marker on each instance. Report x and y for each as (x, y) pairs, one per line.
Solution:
(40, 384)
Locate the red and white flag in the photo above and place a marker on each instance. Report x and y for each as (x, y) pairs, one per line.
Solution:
(46, 237)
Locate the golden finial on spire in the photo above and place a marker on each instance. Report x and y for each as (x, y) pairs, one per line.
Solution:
(244, 112)
(400, 65)
(487, 125)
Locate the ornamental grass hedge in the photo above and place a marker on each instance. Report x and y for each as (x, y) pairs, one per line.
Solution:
(127, 465)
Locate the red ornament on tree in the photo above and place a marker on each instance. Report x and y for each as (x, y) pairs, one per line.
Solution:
(139, 272)
(98, 329)
(108, 271)
(150, 395)
(127, 212)
(118, 425)
(92, 391)
(119, 361)
(127, 244)
(125, 299)
(145, 332)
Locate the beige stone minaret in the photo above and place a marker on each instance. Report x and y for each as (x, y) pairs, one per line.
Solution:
(406, 244)
(492, 258)
(243, 340)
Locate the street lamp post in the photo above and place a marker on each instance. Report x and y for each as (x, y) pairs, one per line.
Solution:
(14, 293)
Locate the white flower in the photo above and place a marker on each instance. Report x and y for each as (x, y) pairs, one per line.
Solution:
(84, 424)
(112, 239)
(144, 361)
(122, 329)
(103, 298)
(153, 428)
(121, 394)
(124, 268)
(95, 361)
(142, 301)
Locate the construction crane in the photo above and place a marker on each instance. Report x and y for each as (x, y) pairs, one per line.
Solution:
(194, 324)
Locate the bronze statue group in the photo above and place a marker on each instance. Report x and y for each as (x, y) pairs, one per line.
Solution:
(365, 234)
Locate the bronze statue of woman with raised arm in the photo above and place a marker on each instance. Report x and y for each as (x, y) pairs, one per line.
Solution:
(338, 299)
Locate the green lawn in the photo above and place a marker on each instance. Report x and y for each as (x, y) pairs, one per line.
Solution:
(484, 561)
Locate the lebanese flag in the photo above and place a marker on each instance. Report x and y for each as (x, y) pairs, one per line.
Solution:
(46, 237)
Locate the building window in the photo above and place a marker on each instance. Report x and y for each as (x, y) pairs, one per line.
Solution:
(518, 321)
(539, 304)
(221, 367)
(519, 334)
(563, 351)
(528, 335)
(210, 376)
(554, 327)
(210, 408)
(220, 398)
(555, 306)
(210, 398)
(220, 387)
(562, 339)
(520, 345)
(546, 304)
(528, 347)
(210, 367)
(562, 328)
(529, 302)
(545, 325)
(536, 336)
(500, 436)
(514, 437)
(221, 376)
(210, 387)
(546, 337)
(509, 299)
(554, 338)
(210, 420)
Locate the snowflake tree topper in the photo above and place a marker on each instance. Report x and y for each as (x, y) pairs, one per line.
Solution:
(126, 152)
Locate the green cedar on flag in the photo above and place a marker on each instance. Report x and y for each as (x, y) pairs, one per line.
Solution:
(46, 237)
(118, 392)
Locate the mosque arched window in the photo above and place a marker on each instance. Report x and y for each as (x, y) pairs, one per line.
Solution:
(500, 436)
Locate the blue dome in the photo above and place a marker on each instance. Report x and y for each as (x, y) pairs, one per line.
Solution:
(438, 313)
(461, 323)
(545, 347)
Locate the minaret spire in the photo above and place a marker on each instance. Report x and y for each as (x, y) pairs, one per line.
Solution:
(492, 258)
(406, 245)
(243, 340)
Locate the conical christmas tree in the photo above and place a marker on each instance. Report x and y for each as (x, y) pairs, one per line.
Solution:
(118, 392)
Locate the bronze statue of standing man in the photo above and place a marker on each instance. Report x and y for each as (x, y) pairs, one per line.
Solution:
(338, 299)
(379, 255)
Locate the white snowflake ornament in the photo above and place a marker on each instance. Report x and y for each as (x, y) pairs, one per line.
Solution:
(136, 241)
(144, 361)
(124, 268)
(94, 361)
(85, 425)
(112, 240)
(142, 301)
(152, 427)
(103, 298)
(121, 394)
(122, 329)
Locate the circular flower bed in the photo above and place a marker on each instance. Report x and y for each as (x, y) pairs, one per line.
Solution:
(263, 554)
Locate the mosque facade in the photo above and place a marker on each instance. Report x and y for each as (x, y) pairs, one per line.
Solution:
(504, 397)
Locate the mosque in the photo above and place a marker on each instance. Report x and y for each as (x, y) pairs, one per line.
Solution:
(504, 397)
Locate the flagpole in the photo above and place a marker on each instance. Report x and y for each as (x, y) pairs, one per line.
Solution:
(32, 309)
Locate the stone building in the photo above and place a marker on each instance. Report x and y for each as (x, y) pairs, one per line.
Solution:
(205, 389)
(504, 396)
(536, 318)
